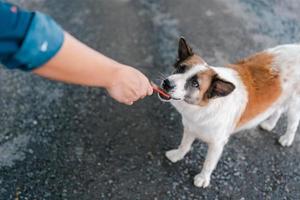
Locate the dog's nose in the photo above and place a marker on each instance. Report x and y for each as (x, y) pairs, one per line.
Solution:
(166, 85)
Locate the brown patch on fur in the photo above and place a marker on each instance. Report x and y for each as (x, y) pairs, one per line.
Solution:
(190, 62)
(194, 60)
(205, 78)
(262, 83)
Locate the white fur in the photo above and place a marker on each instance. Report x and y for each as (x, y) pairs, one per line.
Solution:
(215, 122)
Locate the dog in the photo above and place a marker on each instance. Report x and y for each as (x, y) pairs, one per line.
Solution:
(216, 102)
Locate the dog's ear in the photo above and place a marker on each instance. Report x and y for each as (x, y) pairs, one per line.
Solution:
(184, 50)
(219, 88)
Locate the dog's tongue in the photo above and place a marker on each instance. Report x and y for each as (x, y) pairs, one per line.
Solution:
(160, 91)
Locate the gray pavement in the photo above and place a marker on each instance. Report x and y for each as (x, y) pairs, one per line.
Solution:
(60, 141)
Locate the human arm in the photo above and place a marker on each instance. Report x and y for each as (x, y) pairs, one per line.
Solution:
(77, 63)
(32, 41)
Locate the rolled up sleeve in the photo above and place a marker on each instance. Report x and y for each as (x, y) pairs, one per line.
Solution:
(37, 45)
(42, 41)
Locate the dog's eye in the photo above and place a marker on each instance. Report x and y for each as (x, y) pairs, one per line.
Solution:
(195, 83)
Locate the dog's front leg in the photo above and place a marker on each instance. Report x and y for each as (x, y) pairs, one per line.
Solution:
(184, 147)
(213, 154)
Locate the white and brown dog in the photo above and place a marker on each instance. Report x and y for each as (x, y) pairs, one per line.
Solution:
(216, 102)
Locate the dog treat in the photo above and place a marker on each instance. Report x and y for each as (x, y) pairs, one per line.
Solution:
(160, 91)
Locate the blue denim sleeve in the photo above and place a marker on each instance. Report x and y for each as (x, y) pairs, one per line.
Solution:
(29, 39)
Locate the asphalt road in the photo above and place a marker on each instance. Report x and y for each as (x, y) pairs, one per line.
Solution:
(60, 141)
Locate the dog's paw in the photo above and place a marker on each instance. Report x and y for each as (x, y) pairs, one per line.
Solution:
(174, 155)
(201, 180)
(286, 140)
(266, 126)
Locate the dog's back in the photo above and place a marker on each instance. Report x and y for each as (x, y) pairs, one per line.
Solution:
(272, 79)
(262, 82)
(287, 62)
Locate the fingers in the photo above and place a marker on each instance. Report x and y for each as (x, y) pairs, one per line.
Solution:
(135, 96)
(130, 86)
(129, 103)
(130, 99)
(146, 87)
(150, 89)
(139, 88)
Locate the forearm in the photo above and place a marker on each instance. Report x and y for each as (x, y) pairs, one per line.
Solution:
(34, 42)
(79, 64)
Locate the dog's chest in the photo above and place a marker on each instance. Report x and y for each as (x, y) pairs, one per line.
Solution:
(214, 122)
(198, 123)
(204, 132)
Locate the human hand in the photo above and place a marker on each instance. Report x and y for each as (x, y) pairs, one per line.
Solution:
(128, 85)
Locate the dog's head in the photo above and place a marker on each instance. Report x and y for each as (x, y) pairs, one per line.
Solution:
(193, 80)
